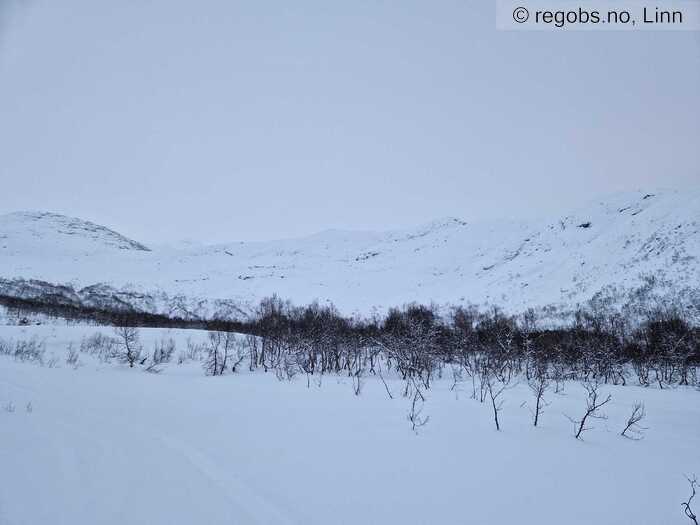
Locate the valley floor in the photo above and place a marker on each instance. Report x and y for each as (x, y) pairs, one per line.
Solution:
(112, 445)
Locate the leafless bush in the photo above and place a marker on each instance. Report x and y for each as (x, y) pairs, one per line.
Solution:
(287, 368)
(5, 347)
(357, 381)
(483, 373)
(386, 387)
(593, 405)
(194, 352)
(686, 504)
(633, 430)
(31, 350)
(456, 377)
(213, 363)
(415, 416)
(73, 356)
(495, 389)
(223, 350)
(240, 349)
(252, 345)
(539, 384)
(163, 351)
(128, 344)
(106, 348)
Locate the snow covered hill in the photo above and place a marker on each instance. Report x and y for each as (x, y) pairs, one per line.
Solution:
(624, 241)
(46, 234)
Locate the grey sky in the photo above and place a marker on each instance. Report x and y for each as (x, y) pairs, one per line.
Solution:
(224, 120)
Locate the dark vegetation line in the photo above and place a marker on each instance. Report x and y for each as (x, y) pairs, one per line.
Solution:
(58, 308)
(420, 344)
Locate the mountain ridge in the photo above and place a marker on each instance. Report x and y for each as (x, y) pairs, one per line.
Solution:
(618, 242)
(41, 225)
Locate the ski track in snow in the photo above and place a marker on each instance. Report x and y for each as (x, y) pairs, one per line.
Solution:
(249, 503)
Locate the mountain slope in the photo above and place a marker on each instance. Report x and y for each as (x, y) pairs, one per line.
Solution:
(37, 233)
(622, 241)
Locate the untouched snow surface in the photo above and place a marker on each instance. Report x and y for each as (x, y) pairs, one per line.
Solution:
(111, 445)
(515, 265)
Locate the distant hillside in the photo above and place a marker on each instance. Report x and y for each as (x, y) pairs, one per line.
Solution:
(37, 233)
(620, 243)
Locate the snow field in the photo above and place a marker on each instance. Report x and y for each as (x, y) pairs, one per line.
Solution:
(107, 444)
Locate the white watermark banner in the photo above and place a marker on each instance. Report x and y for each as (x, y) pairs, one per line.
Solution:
(598, 15)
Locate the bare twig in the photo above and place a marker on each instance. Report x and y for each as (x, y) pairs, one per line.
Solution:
(386, 387)
(414, 415)
(686, 504)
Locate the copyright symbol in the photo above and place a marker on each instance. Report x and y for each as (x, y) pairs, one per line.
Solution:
(520, 15)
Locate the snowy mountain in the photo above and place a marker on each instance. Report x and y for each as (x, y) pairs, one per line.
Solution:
(623, 242)
(46, 234)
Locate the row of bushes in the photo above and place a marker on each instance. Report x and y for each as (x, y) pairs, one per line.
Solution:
(419, 341)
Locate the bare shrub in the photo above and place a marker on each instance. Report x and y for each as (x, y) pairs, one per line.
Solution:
(5, 347)
(128, 344)
(73, 356)
(287, 368)
(240, 349)
(633, 430)
(104, 347)
(539, 385)
(456, 378)
(687, 509)
(217, 348)
(495, 389)
(193, 352)
(163, 351)
(357, 381)
(593, 405)
(213, 365)
(386, 387)
(415, 414)
(31, 350)
(252, 344)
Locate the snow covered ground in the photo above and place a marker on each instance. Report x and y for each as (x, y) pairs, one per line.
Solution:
(102, 443)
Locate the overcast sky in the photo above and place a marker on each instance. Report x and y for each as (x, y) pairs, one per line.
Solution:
(225, 120)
